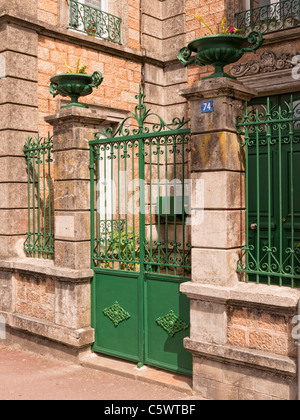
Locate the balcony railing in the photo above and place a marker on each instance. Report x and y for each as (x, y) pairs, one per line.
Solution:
(274, 17)
(94, 22)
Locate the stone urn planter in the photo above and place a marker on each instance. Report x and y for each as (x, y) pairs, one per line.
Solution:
(219, 51)
(74, 85)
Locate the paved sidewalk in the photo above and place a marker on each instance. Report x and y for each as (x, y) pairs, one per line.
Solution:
(29, 376)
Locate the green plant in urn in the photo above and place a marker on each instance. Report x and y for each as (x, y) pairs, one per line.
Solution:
(219, 50)
(75, 84)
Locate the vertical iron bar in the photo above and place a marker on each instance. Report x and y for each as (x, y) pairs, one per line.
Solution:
(280, 197)
(269, 138)
(151, 225)
(247, 138)
(98, 236)
(39, 196)
(111, 189)
(92, 203)
(175, 198)
(292, 190)
(258, 195)
(119, 206)
(33, 198)
(28, 191)
(160, 209)
(126, 201)
(133, 198)
(49, 193)
(44, 202)
(105, 201)
(168, 200)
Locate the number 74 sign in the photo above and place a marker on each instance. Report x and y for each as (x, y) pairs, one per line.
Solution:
(207, 106)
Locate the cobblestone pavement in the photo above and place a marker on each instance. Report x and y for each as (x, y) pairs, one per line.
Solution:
(29, 376)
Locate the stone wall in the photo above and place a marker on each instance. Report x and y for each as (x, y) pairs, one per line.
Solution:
(261, 330)
(46, 308)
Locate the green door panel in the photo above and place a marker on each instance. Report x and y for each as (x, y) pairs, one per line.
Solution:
(167, 324)
(117, 314)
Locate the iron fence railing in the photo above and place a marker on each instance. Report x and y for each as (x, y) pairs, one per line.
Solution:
(39, 238)
(95, 22)
(271, 139)
(274, 17)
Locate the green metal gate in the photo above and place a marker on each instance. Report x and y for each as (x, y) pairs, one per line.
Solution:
(140, 240)
(271, 130)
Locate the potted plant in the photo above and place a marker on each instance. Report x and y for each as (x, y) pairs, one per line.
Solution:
(75, 84)
(91, 29)
(220, 49)
(291, 21)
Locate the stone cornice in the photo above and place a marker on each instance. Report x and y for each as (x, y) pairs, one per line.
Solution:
(47, 268)
(268, 62)
(245, 295)
(245, 357)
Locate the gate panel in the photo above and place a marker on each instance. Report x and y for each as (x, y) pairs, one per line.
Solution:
(167, 324)
(118, 311)
(140, 240)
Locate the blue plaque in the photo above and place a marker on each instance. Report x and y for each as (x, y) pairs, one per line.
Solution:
(207, 107)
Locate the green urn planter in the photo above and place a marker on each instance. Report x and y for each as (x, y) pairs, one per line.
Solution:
(219, 51)
(74, 85)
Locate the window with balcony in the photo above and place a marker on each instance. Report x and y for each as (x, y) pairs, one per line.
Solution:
(269, 15)
(91, 17)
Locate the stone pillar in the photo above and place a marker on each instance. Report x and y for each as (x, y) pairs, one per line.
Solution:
(72, 130)
(18, 120)
(218, 161)
(240, 333)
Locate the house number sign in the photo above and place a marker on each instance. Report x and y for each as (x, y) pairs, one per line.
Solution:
(207, 106)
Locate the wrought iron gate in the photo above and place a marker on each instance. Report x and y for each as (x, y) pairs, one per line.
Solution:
(271, 130)
(140, 240)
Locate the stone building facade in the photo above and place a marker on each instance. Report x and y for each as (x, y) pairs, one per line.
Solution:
(240, 333)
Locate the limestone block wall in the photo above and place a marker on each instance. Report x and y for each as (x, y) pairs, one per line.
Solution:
(261, 330)
(46, 308)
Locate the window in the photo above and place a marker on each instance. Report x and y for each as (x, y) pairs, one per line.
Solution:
(269, 15)
(92, 18)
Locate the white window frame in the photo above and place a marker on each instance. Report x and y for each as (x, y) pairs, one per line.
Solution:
(248, 3)
(103, 8)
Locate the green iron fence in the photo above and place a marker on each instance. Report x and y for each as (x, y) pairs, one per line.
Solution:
(271, 131)
(142, 197)
(39, 238)
(95, 22)
(273, 17)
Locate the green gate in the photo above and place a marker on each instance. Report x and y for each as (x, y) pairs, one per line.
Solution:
(140, 240)
(271, 130)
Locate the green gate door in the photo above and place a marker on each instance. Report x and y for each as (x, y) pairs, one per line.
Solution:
(271, 127)
(140, 237)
